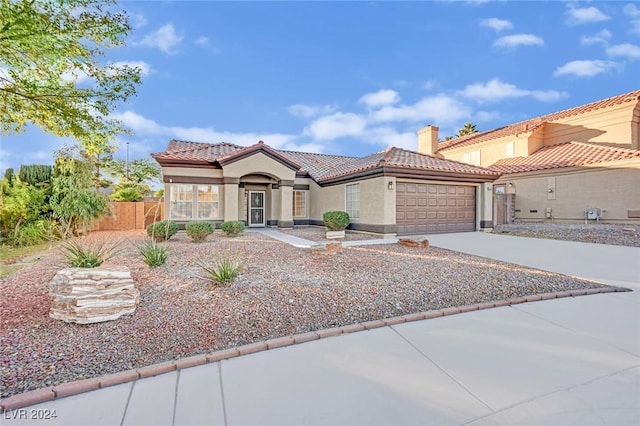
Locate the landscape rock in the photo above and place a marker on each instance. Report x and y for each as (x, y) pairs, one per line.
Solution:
(90, 295)
(410, 242)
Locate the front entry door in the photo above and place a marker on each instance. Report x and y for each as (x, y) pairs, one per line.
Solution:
(256, 208)
(500, 205)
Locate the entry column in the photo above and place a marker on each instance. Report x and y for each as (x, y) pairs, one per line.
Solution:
(231, 198)
(286, 204)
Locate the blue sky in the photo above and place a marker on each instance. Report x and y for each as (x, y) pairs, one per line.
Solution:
(354, 78)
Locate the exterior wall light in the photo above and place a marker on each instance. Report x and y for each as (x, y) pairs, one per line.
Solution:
(390, 185)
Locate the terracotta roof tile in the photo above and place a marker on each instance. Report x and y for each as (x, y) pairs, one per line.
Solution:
(320, 167)
(196, 151)
(568, 154)
(535, 123)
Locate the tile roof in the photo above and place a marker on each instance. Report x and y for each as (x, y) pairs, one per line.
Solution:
(196, 151)
(321, 167)
(568, 154)
(535, 123)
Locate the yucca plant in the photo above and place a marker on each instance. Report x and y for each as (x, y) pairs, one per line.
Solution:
(223, 269)
(153, 254)
(87, 255)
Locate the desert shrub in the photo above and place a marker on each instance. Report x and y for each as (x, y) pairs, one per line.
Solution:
(336, 220)
(199, 230)
(232, 228)
(80, 255)
(31, 233)
(152, 253)
(223, 269)
(163, 230)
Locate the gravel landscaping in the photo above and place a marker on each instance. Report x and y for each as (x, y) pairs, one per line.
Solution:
(282, 290)
(318, 234)
(619, 235)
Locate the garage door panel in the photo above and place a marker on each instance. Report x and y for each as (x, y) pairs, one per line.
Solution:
(433, 208)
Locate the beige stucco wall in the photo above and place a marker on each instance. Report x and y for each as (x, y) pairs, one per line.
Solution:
(618, 125)
(492, 151)
(612, 125)
(614, 189)
(259, 163)
(377, 203)
(191, 172)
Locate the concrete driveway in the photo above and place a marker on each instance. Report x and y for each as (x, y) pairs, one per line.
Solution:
(556, 362)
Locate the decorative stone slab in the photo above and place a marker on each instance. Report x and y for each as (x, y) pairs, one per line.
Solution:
(335, 234)
(410, 242)
(90, 295)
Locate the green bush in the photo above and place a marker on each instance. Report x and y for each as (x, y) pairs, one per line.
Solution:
(152, 253)
(232, 228)
(199, 230)
(163, 230)
(336, 220)
(31, 233)
(223, 270)
(87, 256)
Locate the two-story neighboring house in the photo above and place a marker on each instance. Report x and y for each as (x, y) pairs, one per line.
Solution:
(580, 163)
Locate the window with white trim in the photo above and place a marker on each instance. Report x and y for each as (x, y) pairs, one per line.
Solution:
(509, 149)
(194, 201)
(181, 201)
(207, 203)
(299, 203)
(472, 157)
(352, 200)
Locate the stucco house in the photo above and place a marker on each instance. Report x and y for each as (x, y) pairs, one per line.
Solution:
(395, 191)
(580, 163)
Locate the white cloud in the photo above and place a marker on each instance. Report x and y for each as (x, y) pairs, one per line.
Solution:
(388, 137)
(496, 90)
(600, 37)
(340, 124)
(630, 51)
(631, 10)
(438, 109)
(142, 126)
(515, 40)
(497, 24)
(309, 111)
(164, 38)
(145, 68)
(584, 68)
(584, 15)
(380, 98)
(429, 85)
(202, 41)
(138, 20)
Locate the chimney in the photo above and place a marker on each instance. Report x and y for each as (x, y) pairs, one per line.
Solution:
(428, 140)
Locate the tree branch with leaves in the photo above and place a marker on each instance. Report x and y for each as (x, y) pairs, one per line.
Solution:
(52, 73)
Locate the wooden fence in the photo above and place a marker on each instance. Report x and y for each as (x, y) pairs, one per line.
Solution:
(131, 215)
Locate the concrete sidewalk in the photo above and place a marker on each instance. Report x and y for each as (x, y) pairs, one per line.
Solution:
(562, 361)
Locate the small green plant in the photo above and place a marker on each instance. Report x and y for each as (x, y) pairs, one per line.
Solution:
(336, 220)
(199, 231)
(163, 230)
(232, 228)
(89, 255)
(223, 270)
(152, 253)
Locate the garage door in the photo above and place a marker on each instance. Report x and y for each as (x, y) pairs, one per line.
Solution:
(434, 208)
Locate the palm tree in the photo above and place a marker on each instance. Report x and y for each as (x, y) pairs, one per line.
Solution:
(467, 129)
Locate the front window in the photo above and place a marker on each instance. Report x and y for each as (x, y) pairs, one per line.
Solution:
(352, 200)
(182, 201)
(299, 204)
(472, 157)
(509, 149)
(194, 201)
(207, 201)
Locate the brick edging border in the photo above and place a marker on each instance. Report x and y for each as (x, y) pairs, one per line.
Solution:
(85, 385)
